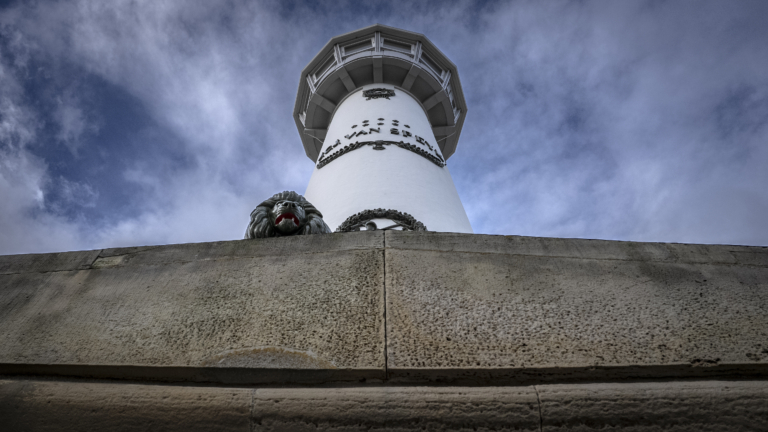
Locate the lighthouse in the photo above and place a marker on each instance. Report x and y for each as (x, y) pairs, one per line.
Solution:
(380, 111)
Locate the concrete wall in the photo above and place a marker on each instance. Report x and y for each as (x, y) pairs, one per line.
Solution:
(533, 333)
(228, 312)
(525, 309)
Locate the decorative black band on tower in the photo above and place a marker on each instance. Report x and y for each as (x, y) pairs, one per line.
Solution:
(378, 93)
(365, 218)
(379, 145)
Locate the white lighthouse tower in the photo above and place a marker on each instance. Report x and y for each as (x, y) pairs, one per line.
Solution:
(379, 111)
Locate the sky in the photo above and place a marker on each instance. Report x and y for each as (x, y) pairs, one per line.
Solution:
(127, 123)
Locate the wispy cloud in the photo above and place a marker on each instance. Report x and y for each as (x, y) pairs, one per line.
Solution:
(24, 176)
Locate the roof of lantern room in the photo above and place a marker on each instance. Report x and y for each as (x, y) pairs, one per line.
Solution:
(379, 54)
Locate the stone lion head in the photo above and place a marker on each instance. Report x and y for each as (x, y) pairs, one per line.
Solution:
(285, 214)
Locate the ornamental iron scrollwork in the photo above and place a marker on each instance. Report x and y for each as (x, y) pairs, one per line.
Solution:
(379, 145)
(378, 93)
(365, 219)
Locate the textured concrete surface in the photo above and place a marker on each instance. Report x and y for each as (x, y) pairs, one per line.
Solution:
(27, 263)
(522, 309)
(673, 406)
(311, 303)
(378, 309)
(66, 406)
(396, 409)
(460, 309)
(41, 405)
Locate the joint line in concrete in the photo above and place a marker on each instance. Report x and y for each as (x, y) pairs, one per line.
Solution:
(98, 255)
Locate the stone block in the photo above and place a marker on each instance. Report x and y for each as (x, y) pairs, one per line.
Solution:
(69, 406)
(41, 405)
(671, 406)
(396, 409)
(518, 310)
(305, 309)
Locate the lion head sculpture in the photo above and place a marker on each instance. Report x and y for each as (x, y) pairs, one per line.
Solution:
(285, 214)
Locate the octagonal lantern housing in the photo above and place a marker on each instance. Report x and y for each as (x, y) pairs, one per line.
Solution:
(379, 54)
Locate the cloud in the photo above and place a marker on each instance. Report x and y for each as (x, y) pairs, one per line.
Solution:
(196, 87)
(72, 122)
(609, 121)
(78, 194)
(627, 120)
(26, 226)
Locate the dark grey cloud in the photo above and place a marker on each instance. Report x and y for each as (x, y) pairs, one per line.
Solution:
(126, 123)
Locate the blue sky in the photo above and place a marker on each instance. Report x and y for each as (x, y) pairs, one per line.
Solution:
(152, 122)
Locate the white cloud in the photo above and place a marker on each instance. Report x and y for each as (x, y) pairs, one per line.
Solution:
(72, 122)
(646, 82)
(77, 194)
(24, 224)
